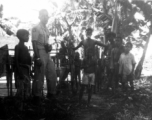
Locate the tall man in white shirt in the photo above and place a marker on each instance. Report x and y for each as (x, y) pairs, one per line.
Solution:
(44, 65)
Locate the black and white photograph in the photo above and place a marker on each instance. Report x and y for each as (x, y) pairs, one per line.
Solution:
(75, 60)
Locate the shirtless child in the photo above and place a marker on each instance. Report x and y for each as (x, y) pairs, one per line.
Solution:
(89, 63)
(23, 64)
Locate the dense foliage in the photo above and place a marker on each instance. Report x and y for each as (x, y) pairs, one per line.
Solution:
(130, 19)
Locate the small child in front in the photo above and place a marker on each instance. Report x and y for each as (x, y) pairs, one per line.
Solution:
(22, 64)
(126, 67)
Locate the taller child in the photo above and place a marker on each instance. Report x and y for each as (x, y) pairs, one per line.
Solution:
(89, 63)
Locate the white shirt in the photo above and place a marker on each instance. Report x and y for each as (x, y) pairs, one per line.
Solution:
(126, 62)
(41, 35)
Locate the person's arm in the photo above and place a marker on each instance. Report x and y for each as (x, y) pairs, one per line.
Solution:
(133, 68)
(111, 59)
(120, 64)
(35, 49)
(100, 44)
(80, 44)
(133, 64)
(35, 34)
(16, 57)
(105, 51)
(16, 60)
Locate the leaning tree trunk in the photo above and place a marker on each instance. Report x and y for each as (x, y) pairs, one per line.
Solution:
(140, 64)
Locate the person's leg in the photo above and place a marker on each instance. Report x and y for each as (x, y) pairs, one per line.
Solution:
(61, 74)
(113, 78)
(95, 82)
(116, 81)
(81, 93)
(64, 74)
(23, 90)
(109, 75)
(89, 88)
(132, 84)
(51, 77)
(98, 82)
(27, 84)
(117, 76)
(73, 78)
(28, 89)
(39, 72)
(91, 84)
(79, 77)
(130, 79)
(125, 84)
(20, 88)
(123, 79)
(84, 83)
(76, 81)
(120, 80)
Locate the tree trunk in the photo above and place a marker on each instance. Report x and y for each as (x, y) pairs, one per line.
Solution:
(140, 64)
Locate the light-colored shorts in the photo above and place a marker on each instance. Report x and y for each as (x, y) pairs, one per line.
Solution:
(88, 79)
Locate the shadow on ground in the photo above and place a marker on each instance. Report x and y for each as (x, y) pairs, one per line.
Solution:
(136, 105)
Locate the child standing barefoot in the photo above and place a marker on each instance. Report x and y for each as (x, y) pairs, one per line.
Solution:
(126, 67)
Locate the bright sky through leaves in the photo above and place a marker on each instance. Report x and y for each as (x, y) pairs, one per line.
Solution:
(27, 10)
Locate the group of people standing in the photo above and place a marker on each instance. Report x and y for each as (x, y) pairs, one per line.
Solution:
(120, 61)
(117, 60)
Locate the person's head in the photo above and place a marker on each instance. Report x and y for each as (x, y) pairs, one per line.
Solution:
(118, 41)
(22, 35)
(77, 55)
(43, 16)
(66, 38)
(110, 37)
(62, 44)
(128, 47)
(89, 32)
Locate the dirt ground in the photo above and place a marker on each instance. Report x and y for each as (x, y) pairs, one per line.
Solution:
(135, 105)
